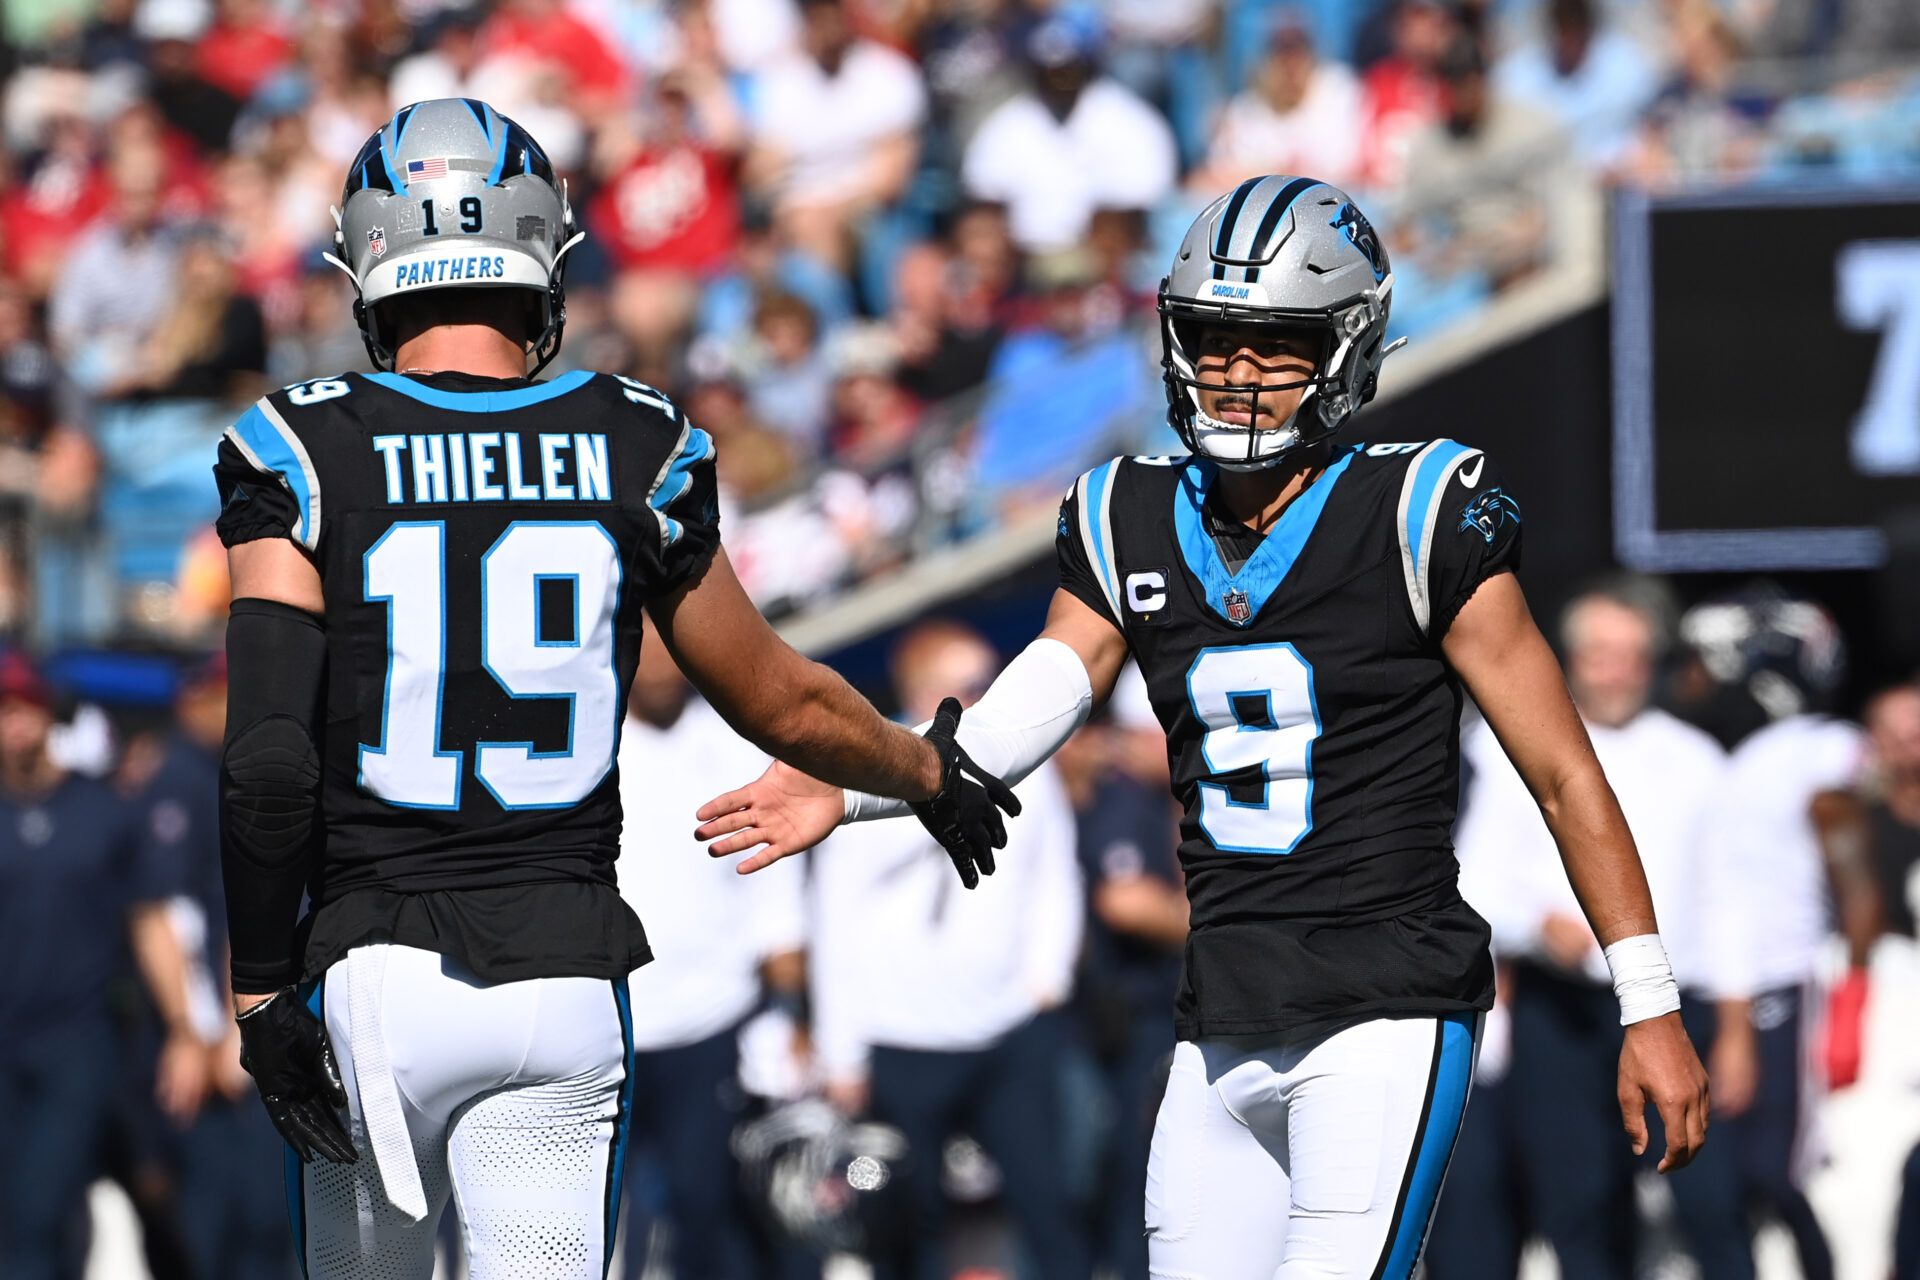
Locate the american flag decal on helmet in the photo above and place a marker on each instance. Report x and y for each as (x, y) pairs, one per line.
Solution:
(419, 170)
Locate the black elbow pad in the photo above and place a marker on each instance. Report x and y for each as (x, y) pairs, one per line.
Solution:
(270, 776)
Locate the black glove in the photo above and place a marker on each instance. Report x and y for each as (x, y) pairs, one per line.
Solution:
(964, 815)
(285, 1048)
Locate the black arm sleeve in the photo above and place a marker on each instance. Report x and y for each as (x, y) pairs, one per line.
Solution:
(269, 784)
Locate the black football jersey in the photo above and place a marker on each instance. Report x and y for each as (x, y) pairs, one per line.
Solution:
(485, 548)
(1312, 722)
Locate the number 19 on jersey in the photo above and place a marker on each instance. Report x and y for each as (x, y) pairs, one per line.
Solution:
(406, 570)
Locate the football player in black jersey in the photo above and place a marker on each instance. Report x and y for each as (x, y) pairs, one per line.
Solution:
(439, 571)
(1308, 615)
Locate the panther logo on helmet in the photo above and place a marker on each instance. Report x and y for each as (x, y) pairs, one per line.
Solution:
(1360, 234)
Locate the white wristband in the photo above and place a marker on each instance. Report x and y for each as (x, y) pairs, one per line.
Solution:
(1642, 978)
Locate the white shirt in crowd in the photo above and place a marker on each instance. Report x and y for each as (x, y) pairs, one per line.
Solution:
(904, 956)
(1320, 136)
(1113, 151)
(1765, 828)
(1669, 777)
(826, 125)
(710, 927)
(754, 33)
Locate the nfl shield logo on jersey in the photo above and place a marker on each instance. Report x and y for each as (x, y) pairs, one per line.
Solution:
(1239, 610)
(377, 241)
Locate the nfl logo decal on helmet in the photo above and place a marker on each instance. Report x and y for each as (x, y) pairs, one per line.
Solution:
(1284, 252)
(377, 241)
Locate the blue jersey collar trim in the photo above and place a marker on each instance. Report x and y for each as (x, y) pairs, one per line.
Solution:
(483, 401)
(1268, 567)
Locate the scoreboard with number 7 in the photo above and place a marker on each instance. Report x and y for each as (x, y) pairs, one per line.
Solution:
(1766, 365)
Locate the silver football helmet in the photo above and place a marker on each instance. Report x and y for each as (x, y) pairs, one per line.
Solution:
(1291, 253)
(452, 194)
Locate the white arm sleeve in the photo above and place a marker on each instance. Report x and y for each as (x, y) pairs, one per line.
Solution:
(1032, 707)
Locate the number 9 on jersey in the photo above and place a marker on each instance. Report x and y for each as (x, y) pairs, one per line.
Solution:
(1257, 704)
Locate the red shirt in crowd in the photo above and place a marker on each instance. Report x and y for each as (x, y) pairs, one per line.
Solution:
(673, 208)
(559, 37)
(41, 217)
(239, 58)
(1399, 99)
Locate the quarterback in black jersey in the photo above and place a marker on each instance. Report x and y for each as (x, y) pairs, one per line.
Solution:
(1308, 615)
(439, 570)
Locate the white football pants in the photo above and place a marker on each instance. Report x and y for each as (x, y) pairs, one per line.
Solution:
(1306, 1157)
(515, 1097)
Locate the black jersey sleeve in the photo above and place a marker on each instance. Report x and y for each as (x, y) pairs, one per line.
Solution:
(267, 482)
(1083, 542)
(684, 499)
(1476, 534)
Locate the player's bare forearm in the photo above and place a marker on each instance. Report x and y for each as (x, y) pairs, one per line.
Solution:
(828, 731)
(787, 705)
(1508, 667)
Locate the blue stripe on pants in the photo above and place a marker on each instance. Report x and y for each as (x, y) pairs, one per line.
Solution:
(623, 1121)
(1433, 1147)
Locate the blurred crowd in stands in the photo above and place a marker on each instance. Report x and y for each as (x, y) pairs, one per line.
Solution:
(897, 256)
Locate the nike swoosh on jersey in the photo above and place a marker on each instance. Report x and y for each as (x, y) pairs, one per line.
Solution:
(1470, 476)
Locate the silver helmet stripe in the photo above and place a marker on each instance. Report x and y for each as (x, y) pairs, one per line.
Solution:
(1229, 218)
(1249, 221)
(1260, 219)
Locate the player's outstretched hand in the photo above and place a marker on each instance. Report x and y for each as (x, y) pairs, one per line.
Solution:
(964, 815)
(286, 1050)
(1657, 1062)
(784, 810)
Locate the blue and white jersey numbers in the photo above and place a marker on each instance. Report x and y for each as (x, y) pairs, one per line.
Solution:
(527, 650)
(1256, 702)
